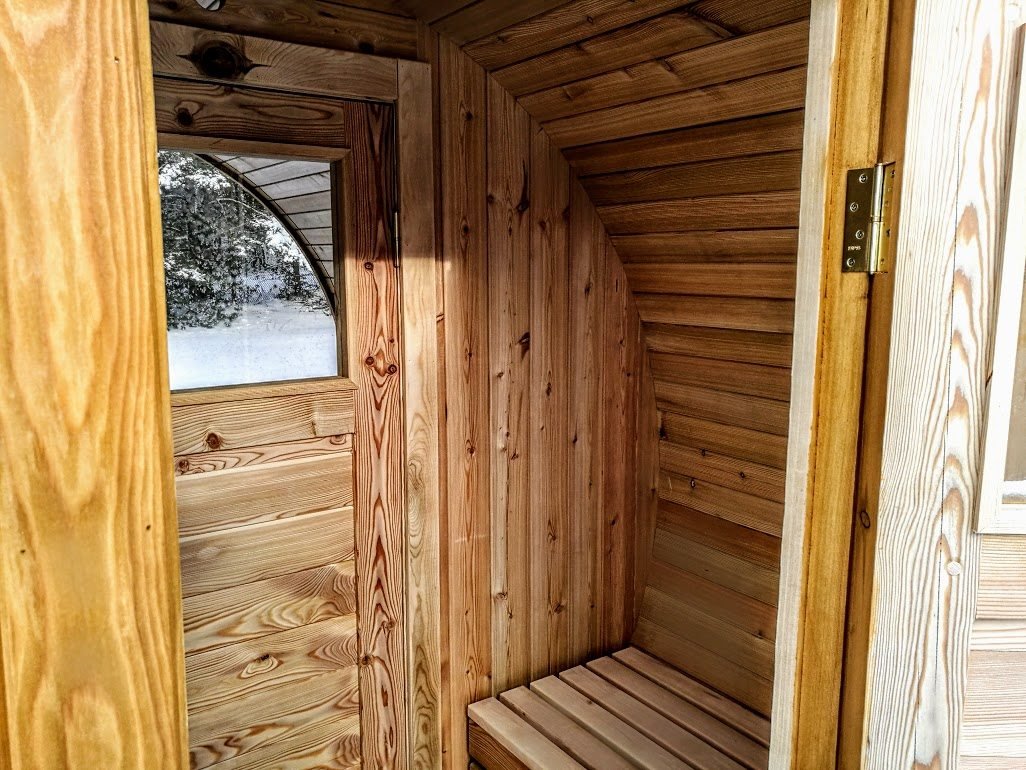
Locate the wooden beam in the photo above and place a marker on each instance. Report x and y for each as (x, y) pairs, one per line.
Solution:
(418, 281)
(843, 113)
(90, 621)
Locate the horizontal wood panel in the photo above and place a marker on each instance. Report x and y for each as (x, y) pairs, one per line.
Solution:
(717, 601)
(750, 174)
(1002, 589)
(1006, 635)
(770, 133)
(742, 475)
(774, 92)
(310, 22)
(263, 607)
(725, 675)
(666, 34)
(774, 281)
(221, 676)
(772, 209)
(731, 440)
(994, 715)
(728, 570)
(562, 26)
(236, 498)
(177, 52)
(745, 16)
(224, 112)
(743, 542)
(754, 246)
(729, 376)
(246, 457)
(479, 19)
(724, 503)
(750, 412)
(762, 315)
(263, 719)
(329, 744)
(234, 557)
(273, 420)
(720, 344)
(733, 59)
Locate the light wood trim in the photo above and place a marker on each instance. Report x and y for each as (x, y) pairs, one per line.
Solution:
(843, 107)
(266, 390)
(92, 673)
(275, 64)
(992, 514)
(418, 281)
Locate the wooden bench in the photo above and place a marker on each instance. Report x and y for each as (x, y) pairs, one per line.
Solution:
(628, 710)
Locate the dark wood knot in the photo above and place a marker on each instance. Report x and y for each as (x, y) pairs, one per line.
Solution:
(221, 60)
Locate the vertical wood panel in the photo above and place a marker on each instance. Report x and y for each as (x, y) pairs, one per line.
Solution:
(587, 305)
(375, 361)
(550, 525)
(90, 622)
(510, 215)
(466, 560)
(420, 364)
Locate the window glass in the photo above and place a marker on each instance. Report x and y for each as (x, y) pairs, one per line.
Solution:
(249, 297)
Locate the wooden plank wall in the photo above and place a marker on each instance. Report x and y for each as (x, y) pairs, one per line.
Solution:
(265, 496)
(542, 348)
(683, 123)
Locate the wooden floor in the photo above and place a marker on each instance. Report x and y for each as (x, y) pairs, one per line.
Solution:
(627, 710)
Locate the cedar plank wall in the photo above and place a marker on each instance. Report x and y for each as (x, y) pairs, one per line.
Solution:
(543, 350)
(683, 122)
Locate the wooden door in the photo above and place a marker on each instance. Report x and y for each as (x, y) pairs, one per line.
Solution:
(291, 493)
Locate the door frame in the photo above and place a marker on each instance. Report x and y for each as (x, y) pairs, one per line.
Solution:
(392, 360)
(855, 116)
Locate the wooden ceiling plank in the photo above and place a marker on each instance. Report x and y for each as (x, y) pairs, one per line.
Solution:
(774, 49)
(486, 17)
(564, 25)
(430, 11)
(773, 209)
(746, 16)
(777, 245)
(308, 22)
(751, 136)
(747, 174)
(762, 94)
(660, 36)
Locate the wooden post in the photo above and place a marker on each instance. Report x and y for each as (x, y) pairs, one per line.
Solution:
(90, 618)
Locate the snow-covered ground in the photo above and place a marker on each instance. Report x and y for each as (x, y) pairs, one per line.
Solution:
(272, 341)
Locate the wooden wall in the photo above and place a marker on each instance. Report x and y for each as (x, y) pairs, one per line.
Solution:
(265, 504)
(543, 434)
(683, 123)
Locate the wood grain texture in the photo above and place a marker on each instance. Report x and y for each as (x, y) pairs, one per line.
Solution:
(419, 280)
(221, 500)
(229, 558)
(178, 52)
(951, 224)
(376, 364)
(323, 23)
(249, 611)
(87, 568)
(671, 33)
(244, 423)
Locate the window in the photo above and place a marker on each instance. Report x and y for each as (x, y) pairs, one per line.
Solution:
(249, 269)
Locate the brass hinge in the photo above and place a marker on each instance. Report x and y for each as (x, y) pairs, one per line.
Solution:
(867, 219)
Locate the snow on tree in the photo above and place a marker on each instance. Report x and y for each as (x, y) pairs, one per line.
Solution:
(223, 249)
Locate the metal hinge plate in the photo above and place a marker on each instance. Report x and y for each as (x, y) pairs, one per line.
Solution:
(867, 219)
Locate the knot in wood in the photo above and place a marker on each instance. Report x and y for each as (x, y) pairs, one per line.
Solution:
(214, 441)
(221, 60)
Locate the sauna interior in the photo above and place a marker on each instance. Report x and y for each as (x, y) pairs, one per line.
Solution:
(528, 510)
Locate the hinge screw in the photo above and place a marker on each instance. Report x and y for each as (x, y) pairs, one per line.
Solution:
(863, 178)
(850, 262)
(853, 207)
(860, 234)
